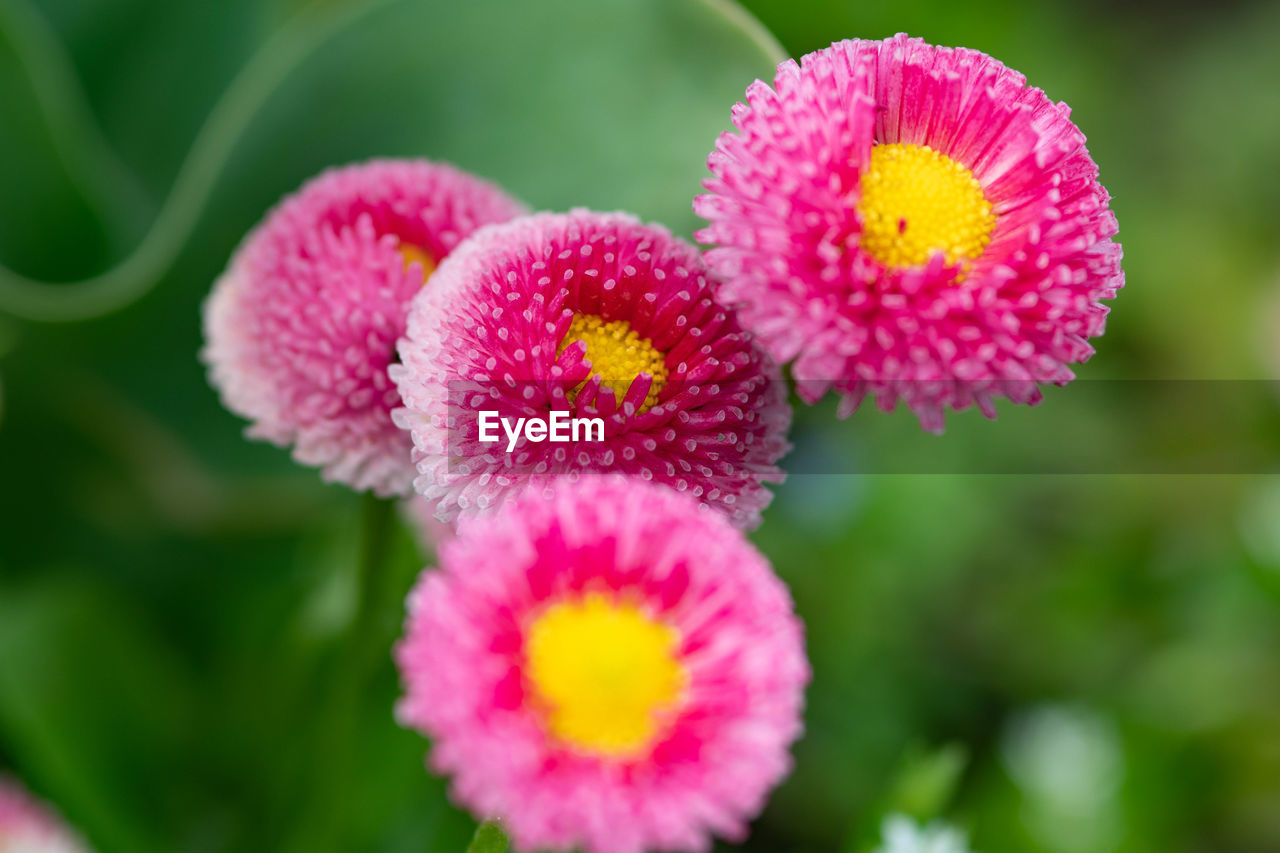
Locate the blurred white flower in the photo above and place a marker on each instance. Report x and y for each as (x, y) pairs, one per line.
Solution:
(903, 835)
(1068, 761)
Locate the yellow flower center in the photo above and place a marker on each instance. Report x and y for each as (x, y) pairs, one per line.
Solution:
(916, 202)
(413, 254)
(606, 673)
(617, 355)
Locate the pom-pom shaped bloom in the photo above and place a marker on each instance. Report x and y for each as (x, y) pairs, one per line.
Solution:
(593, 317)
(605, 664)
(913, 222)
(301, 327)
(28, 826)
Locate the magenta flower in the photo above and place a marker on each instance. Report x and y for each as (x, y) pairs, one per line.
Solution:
(28, 826)
(593, 316)
(605, 664)
(301, 327)
(914, 222)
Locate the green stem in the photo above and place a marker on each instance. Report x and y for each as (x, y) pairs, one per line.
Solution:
(372, 583)
(749, 25)
(322, 825)
(142, 270)
(95, 170)
(489, 838)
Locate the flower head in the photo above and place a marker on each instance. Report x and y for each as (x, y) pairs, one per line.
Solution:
(301, 327)
(605, 664)
(913, 222)
(903, 835)
(600, 317)
(28, 826)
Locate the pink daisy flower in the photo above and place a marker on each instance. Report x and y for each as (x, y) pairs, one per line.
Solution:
(28, 826)
(605, 664)
(913, 222)
(301, 327)
(600, 317)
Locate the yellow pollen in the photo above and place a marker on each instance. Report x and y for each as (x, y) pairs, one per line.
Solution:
(605, 672)
(413, 254)
(617, 355)
(916, 202)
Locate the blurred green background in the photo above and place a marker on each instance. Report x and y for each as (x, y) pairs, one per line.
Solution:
(1068, 663)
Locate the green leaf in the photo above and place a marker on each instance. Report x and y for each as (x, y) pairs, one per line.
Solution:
(90, 696)
(489, 838)
(923, 788)
(927, 781)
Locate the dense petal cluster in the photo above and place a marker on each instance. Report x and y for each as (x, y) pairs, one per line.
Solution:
(602, 660)
(28, 826)
(605, 664)
(565, 313)
(912, 222)
(301, 327)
